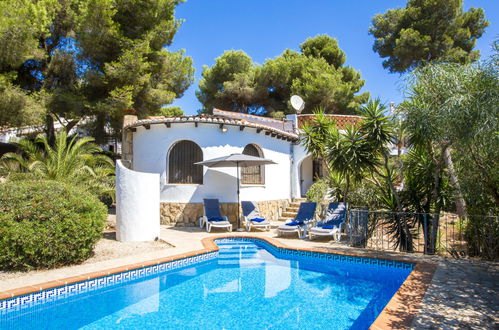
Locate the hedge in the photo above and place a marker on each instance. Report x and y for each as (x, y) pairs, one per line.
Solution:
(47, 224)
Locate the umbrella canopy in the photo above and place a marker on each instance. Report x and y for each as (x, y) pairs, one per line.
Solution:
(236, 160)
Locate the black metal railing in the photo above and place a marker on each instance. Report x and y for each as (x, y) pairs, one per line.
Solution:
(429, 233)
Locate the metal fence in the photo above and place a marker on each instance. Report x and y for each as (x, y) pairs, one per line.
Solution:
(429, 233)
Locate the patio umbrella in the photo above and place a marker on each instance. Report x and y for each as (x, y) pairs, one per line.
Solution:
(236, 160)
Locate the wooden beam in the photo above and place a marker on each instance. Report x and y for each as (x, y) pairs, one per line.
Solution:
(221, 126)
(195, 124)
(147, 126)
(133, 129)
(168, 124)
(258, 130)
(241, 127)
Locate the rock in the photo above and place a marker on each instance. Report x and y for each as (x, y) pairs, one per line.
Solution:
(187, 214)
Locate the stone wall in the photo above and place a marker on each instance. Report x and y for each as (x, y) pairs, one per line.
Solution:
(127, 142)
(187, 214)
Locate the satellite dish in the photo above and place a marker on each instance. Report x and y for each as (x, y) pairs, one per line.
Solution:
(297, 103)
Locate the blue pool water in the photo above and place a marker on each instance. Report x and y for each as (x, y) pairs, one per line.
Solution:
(246, 287)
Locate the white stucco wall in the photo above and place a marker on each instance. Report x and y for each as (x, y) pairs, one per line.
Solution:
(137, 205)
(151, 146)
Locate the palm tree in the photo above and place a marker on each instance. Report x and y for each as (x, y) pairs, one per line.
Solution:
(69, 160)
(350, 156)
(318, 134)
(359, 152)
(345, 152)
(380, 133)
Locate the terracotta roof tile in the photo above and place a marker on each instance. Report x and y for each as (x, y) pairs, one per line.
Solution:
(209, 119)
(342, 121)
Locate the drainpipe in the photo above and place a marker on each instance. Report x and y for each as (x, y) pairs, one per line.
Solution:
(294, 119)
(291, 172)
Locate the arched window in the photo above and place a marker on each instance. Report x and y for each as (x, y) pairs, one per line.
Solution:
(181, 159)
(253, 174)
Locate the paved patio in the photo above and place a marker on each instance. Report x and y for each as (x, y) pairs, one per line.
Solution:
(463, 293)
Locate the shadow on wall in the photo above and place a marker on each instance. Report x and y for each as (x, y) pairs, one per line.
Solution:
(216, 184)
(222, 187)
(306, 174)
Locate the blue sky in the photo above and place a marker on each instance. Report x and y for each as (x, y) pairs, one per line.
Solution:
(264, 28)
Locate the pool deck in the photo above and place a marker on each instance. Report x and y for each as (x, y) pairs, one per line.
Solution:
(458, 294)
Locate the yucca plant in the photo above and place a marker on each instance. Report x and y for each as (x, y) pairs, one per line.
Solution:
(70, 160)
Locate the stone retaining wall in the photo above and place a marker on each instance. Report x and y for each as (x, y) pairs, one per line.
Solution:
(187, 214)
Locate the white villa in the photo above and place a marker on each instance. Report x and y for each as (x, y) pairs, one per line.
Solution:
(158, 182)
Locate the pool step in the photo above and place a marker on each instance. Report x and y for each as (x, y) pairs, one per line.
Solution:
(237, 252)
(240, 262)
(238, 244)
(237, 257)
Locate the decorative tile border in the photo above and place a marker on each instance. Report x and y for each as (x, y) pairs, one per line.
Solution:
(405, 303)
(398, 313)
(318, 255)
(57, 293)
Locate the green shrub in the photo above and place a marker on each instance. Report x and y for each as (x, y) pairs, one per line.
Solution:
(317, 192)
(47, 224)
(278, 115)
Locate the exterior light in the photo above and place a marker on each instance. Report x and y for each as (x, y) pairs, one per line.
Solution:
(223, 128)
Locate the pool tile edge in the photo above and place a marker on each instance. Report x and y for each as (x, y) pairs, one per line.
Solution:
(406, 302)
(21, 292)
(398, 313)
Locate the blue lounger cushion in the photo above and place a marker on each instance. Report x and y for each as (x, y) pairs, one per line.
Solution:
(335, 212)
(212, 208)
(331, 224)
(295, 223)
(216, 219)
(306, 212)
(258, 219)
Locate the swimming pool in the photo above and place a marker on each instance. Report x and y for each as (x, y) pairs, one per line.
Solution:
(248, 284)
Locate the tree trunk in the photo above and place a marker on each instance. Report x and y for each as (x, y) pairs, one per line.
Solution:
(71, 124)
(432, 244)
(49, 129)
(345, 199)
(347, 187)
(390, 183)
(454, 180)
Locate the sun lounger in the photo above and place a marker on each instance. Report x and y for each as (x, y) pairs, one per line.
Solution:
(212, 217)
(333, 224)
(303, 219)
(252, 217)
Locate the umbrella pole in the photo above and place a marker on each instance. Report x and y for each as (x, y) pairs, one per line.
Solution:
(238, 203)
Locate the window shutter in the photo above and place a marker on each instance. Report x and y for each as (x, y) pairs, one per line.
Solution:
(252, 174)
(181, 167)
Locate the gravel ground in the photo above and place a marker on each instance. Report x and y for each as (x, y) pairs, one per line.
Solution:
(106, 249)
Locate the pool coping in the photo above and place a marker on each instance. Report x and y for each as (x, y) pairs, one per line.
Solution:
(398, 313)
